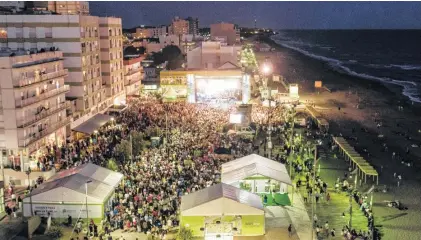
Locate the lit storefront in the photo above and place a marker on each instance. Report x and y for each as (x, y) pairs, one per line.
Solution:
(22, 158)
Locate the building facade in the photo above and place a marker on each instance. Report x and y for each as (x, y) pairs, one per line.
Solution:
(224, 31)
(78, 37)
(34, 110)
(112, 59)
(133, 75)
(69, 7)
(193, 25)
(144, 33)
(159, 31)
(213, 55)
(179, 26)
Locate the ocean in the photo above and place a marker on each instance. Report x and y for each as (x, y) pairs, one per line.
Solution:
(392, 56)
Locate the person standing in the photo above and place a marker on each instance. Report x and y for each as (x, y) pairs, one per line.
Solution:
(290, 230)
(327, 228)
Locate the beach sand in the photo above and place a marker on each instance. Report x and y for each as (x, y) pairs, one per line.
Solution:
(400, 129)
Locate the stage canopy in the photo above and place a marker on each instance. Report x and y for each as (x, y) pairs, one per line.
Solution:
(251, 165)
(221, 200)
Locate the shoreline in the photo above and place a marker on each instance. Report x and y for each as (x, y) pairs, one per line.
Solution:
(378, 104)
(347, 79)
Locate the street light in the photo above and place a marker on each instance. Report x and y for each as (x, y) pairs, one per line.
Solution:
(28, 173)
(266, 69)
(87, 215)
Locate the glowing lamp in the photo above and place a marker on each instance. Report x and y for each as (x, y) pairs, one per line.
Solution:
(266, 69)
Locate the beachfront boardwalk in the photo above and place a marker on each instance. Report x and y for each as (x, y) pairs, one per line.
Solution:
(330, 169)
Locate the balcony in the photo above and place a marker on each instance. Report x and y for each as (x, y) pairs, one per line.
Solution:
(131, 82)
(51, 93)
(27, 121)
(133, 71)
(41, 78)
(45, 132)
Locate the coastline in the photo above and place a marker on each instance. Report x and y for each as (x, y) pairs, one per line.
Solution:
(394, 91)
(378, 103)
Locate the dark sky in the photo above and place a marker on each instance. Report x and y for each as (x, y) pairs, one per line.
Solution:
(278, 15)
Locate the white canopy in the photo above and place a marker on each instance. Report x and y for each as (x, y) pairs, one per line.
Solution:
(221, 199)
(253, 170)
(92, 171)
(254, 164)
(69, 186)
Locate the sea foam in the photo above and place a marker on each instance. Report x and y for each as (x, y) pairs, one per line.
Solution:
(409, 88)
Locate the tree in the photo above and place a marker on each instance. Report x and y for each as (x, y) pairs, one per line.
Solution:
(185, 234)
(112, 164)
(171, 54)
(138, 142)
(124, 148)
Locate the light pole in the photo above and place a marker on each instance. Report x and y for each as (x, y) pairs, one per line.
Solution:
(267, 70)
(86, 201)
(96, 136)
(131, 148)
(312, 187)
(28, 173)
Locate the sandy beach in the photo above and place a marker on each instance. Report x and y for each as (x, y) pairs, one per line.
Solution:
(376, 129)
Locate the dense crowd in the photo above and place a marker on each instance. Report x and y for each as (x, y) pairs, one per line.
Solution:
(183, 162)
(149, 200)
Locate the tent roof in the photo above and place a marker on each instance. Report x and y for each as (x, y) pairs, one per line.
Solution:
(250, 159)
(97, 191)
(102, 183)
(92, 171)
(215, 200)
(252, 170)
(93, 123)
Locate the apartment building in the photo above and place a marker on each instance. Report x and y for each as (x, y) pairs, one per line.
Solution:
(214, 55)
(69, 7)
(33, 107)
(78, 37)
(144, 32)
(224, 32)
(133, 74)
(193, 25)
(112, 59)
(151, 32)
(179, 26)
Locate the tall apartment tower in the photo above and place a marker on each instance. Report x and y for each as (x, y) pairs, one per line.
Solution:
(69, 7)
(33, 106)
(193, 25)
(179, 26)
(112, 59)
(78, 37)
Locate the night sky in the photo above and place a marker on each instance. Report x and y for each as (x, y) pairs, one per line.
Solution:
(277, 15)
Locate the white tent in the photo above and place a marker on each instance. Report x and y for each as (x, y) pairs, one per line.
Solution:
(254, 169)
(92, 171)
(219, 200)
(65, 193)
(262, 164)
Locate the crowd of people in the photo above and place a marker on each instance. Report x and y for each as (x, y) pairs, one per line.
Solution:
(154, 182)
(183, 162)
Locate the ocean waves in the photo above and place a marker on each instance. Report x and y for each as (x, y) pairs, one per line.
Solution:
(410, 89)
(397, 66)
